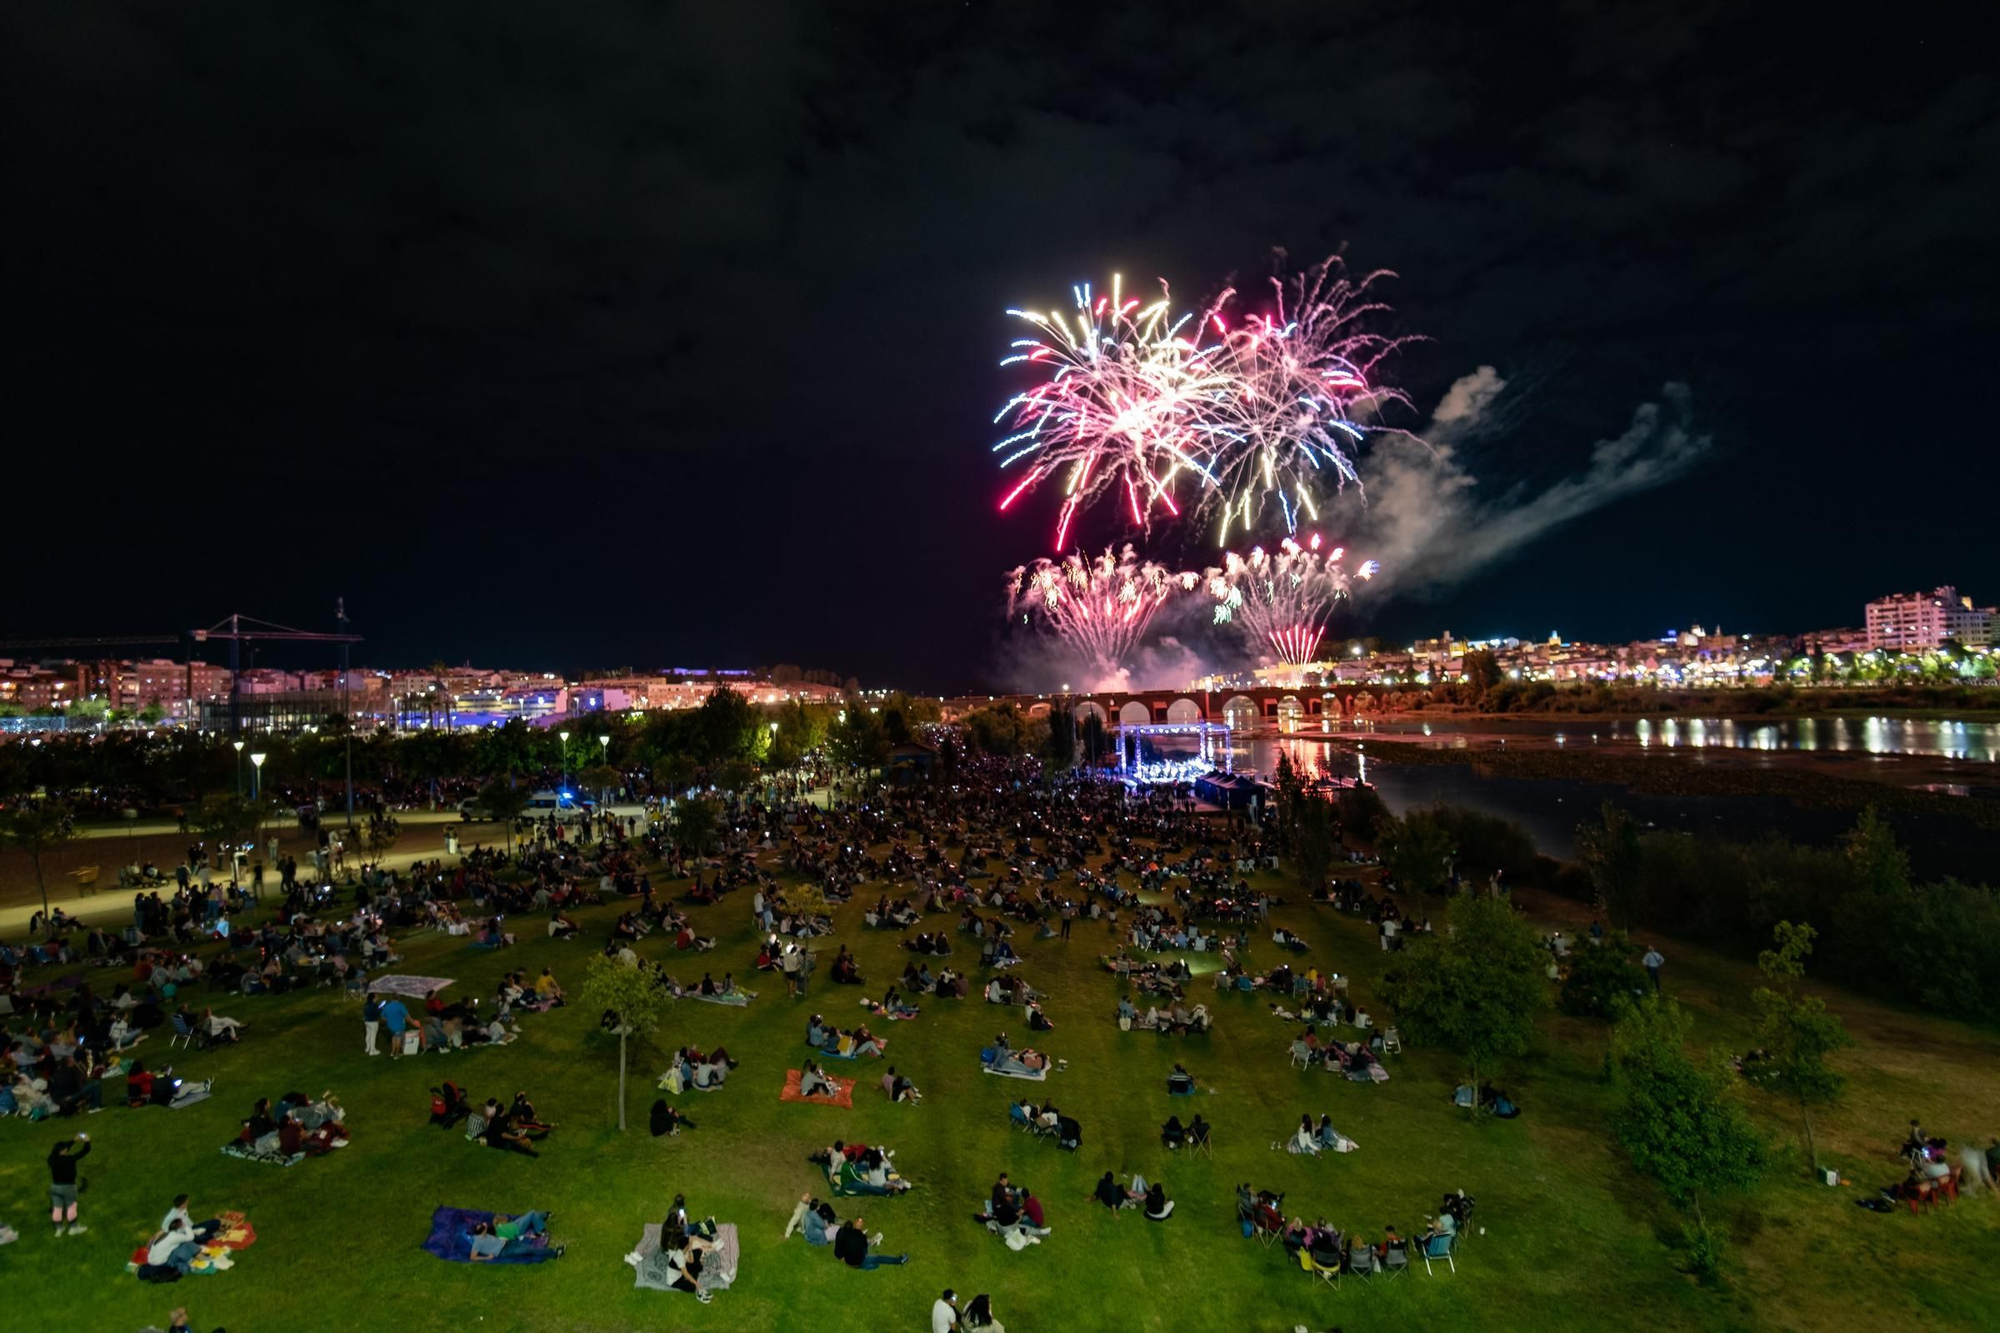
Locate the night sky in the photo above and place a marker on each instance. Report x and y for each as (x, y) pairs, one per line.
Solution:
(589, 335)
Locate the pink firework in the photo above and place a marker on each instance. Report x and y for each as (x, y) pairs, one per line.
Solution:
(1124, 404)
(1102, 605)
(1283, 600)
(1304, 392)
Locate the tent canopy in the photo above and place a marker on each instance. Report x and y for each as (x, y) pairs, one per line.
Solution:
(414, 987)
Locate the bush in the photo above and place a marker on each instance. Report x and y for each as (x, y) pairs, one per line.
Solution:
(1485, 843)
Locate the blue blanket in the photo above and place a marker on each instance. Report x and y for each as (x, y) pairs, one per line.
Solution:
(451, 1238)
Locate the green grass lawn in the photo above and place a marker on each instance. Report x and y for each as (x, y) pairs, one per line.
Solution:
(1571, 1235)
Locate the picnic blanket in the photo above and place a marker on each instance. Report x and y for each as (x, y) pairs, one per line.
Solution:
(250, 1154)
(1011, 1068)
(843, 1089)
(216, 1252)
(451, 1238)
(737, 998)
(831, 1054)
(414, 987)
(1375, 1073)
(718, 1268)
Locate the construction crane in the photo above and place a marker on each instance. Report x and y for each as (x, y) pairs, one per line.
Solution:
(264, 631)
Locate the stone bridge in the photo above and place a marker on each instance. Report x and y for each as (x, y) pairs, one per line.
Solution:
(1246, 708)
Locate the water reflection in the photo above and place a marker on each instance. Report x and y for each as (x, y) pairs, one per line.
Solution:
(1951, 738)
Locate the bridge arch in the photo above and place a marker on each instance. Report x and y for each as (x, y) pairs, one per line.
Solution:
(1184, 710)
(1135, 713)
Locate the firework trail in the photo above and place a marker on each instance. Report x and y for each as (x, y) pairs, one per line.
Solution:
(1126, 404)
(1100, 605)
(1283, 600)
(1302, 393)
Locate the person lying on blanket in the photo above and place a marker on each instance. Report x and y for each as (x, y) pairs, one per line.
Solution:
(529, 1236)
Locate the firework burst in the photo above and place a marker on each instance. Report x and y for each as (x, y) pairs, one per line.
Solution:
(1101, 605)
(1302, 394)
(1283, 600)
(1126, 405)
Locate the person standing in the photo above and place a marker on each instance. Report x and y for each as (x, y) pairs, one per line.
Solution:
(397, 1018)
(62, 1185)
(944, 1312)
(1653, 961)
(371, 1023)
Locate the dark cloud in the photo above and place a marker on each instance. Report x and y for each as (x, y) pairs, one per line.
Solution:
(700, 302)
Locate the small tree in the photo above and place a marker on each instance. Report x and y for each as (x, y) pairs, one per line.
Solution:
(1681, 1123)
(1415, 850)
(1314, 840)
(1611, 852)
(695, 822)
(1796, 1031)
(635, 1003)
(505, 802)
(39, 829)
(230, 821)
(1476, 989)
(1602, 979)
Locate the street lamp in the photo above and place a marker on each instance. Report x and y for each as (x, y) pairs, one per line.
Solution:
(239, 766)
(256, 775)
(562, 786)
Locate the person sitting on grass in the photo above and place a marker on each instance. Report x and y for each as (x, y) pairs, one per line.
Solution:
(523, 1114)
(813, 1082)
(900, 1089)
(894, 1005)
(1111, 1194)
(667, 1120)
(1326, 1134)
(846, 971)
(979, 1315)
(850, 1246)
(1157, 1206)
(814, 1220)
(500, 1132)
(1304, 1140)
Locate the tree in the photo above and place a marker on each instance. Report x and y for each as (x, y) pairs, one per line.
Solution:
(1478, 673)
(230, 821)
(1475, 989)
(39, 829)
(503, 801)
(602, 779)
(1362, 813)
(1060, 750)
(695, 822)
(442, 687)
(1680, 1122)
(1879, 862)
(634, 1001)
(1415, 850)
(857, 740)
(1602, 979)
(1611, 853)
(1314, 842)
(152, 713)
(1796, 1031)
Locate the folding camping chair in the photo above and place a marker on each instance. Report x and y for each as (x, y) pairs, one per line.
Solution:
(1392, 1041)
(183, 1034)
(1198, 1143)
(1396, 1263)
(1440, 1247)
(1361, 1262)
(1267, 1224)
(1330, 1276)
(1019, 1119)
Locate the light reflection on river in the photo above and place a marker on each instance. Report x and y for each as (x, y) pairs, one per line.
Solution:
(1949, 738)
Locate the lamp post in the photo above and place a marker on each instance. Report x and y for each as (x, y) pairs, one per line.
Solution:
(604, 752)
(563, 785)
(256, 776)
(238, 746)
